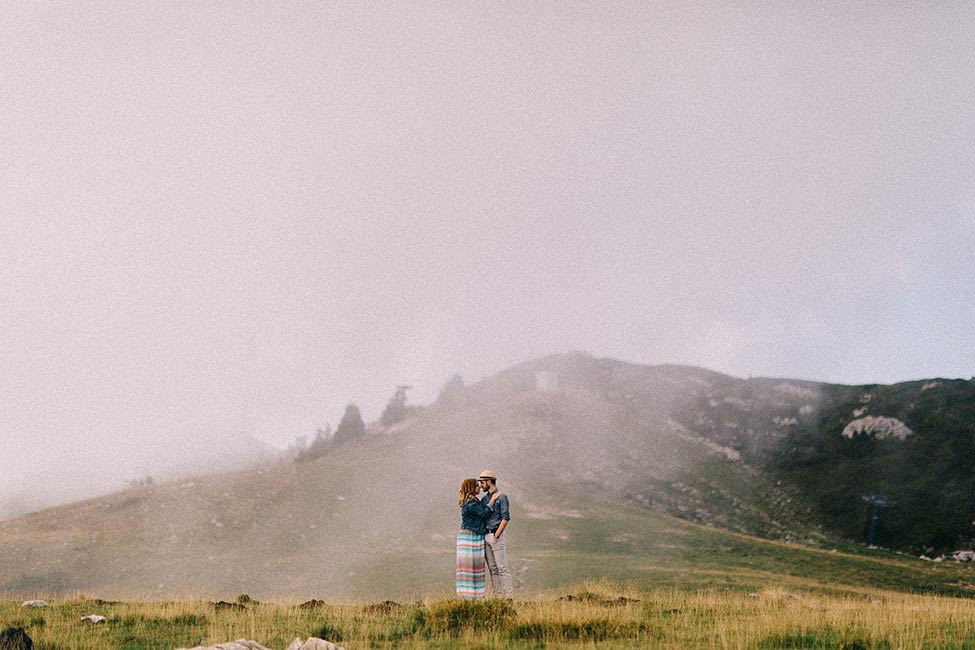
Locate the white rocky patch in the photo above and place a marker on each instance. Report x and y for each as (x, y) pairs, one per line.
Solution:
(784, 422)
(34, 603)
(931, 384)
(860, 411)
(881, 428)
(727, 452)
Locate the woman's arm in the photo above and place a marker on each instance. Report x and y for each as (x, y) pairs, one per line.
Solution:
(478, 508)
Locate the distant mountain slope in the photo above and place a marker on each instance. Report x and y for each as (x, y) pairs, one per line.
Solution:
(591, 451)
(802, 454)
(908, 447)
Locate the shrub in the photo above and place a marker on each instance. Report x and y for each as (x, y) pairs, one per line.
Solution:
(329, 632)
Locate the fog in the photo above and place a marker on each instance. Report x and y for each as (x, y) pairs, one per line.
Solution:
(233, 219)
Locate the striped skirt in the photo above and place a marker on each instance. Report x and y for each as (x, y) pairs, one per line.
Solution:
(470, 565)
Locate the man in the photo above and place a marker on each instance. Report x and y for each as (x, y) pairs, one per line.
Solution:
(494, 541)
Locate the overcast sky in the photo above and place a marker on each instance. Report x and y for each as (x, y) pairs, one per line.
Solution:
(223, 218)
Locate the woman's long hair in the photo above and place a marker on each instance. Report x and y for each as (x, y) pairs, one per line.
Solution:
(468, 490)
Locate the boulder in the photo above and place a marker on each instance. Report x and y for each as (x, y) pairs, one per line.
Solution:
(313, 644)
(239, 644)
(34, 603)
(14, 638)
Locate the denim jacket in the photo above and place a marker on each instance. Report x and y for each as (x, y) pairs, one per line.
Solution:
(473, 516)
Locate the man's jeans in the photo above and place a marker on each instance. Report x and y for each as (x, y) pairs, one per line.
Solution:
(497, 562)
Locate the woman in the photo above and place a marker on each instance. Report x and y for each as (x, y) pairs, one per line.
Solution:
(470, 541)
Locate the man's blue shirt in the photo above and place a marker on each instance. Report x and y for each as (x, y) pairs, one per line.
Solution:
(499, 511)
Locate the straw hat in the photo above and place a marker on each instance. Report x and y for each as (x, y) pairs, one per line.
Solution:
(488, 474)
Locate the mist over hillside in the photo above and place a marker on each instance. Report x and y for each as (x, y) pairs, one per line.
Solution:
(116, 467)
(596, 454)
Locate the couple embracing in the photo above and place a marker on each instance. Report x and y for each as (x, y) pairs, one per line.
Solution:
(481, 539)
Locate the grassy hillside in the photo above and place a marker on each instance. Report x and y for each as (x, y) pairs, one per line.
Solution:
(593, 470)
(293, 532)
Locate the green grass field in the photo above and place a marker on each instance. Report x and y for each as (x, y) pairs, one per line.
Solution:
(638, 579)
(598, 615)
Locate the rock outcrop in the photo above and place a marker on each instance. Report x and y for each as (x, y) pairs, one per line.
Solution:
(14, 638)
(880, 428)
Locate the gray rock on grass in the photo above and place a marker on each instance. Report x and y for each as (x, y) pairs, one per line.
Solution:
(239, 644)
(94, 619)
(313, 643)
(34, 603)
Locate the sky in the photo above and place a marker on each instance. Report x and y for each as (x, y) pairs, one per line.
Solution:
(234, 218)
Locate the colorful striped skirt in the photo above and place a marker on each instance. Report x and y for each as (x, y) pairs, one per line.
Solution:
(470, 565)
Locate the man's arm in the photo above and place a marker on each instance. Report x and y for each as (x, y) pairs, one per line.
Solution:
(505, 516)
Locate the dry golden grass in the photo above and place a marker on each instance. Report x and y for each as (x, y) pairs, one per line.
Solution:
(599, 615)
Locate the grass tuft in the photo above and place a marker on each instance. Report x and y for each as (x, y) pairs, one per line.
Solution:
(592, 630)
(385, 607)
(826, 638)
(330, 632)
(479, 616)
